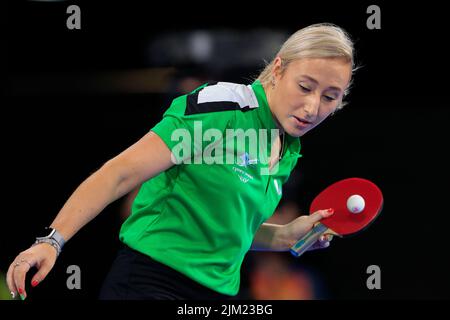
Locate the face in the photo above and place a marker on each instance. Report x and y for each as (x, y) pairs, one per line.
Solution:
(306, 92)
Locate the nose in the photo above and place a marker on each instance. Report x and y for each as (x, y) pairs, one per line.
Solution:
(311, 107)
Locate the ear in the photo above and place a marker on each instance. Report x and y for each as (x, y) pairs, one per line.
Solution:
(277, 68)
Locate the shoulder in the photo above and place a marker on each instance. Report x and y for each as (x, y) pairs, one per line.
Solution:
(221, 96)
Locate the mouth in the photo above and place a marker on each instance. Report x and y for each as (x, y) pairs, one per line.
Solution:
(302, 121)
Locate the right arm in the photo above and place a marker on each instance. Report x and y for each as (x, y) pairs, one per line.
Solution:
(117, 177)
(143, 160)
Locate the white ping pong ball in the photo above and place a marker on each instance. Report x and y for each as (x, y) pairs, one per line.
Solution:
(355, 203)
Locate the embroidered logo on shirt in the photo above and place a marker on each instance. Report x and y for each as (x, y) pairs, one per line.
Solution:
(243, 176)
(245, 160)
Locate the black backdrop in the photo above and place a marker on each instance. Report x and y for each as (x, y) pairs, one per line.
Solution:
(394, 131)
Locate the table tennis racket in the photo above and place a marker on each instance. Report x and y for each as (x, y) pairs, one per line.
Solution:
(343, 222)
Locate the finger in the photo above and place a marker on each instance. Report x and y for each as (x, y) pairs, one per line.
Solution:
(319, 245)
(326, 237)
(323, 245)
(42, 272)
(320, 214)
(10, 282)
(323, 242)
(19, 274)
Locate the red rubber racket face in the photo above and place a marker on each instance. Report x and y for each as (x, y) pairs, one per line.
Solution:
(344, 222)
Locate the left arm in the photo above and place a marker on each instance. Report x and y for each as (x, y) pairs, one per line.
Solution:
(269, 238)
(276, 237)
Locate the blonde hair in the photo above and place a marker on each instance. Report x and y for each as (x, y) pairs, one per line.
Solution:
(322, 40)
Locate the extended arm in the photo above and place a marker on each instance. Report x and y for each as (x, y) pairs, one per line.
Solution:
(143, 160)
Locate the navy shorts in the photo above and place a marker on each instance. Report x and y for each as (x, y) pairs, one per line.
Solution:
(135, 276)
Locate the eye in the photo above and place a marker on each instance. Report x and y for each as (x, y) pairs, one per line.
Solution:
(304, 89)
(328, 98)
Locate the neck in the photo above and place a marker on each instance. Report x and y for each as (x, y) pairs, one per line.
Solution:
(268, 92)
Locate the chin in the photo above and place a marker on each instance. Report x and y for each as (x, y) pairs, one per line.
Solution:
(295, 132)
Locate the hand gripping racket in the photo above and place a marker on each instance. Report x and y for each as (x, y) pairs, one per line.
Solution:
(343, 221)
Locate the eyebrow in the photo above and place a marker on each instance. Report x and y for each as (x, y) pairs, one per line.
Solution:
(317, 82)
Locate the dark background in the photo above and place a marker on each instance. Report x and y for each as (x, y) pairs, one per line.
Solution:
(60, 124)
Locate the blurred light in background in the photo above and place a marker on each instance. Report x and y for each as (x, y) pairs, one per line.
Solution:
(4, 291)
(273, 278)
(277, 275)
(170, 57)
(201, 46)
(216, 49)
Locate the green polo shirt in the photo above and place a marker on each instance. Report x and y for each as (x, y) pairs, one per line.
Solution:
(200, 216)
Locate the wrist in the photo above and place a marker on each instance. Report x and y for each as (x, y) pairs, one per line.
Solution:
(281, 238)
(52, 237)
(49, 243)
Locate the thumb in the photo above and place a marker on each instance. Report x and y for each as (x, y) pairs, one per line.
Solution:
(320, 214)
(42, 272)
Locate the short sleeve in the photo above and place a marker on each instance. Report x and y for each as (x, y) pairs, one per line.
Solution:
(190, 124)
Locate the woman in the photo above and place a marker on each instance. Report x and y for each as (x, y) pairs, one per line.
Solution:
(203, 203)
